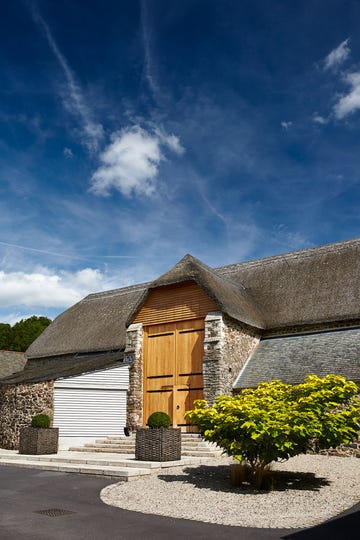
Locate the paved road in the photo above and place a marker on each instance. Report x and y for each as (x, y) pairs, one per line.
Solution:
(25, 492)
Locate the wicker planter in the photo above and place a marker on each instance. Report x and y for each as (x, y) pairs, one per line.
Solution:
(162, 444)
(38, 440)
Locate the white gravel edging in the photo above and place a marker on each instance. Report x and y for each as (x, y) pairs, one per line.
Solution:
(329, 486)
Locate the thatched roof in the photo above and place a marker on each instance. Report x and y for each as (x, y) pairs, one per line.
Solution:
(313, 285)
(316, 285)
(11, 362)
(291, 358)
(230, 297)
(97, 323)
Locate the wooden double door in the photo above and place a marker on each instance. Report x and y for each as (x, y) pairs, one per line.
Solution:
(173, 369)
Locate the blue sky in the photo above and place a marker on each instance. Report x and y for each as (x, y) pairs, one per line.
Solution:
(134, 132)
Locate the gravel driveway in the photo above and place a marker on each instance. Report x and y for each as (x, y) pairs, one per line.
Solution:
(309, 490)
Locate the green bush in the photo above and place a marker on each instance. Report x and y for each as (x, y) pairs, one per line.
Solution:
(41, 421)
(276, 421)
(159, 420)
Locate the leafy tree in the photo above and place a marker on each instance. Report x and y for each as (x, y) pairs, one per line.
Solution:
(276, 421)
(5, 336)
(23, 333)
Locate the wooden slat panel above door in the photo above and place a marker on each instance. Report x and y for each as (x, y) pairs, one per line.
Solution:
(175, 303)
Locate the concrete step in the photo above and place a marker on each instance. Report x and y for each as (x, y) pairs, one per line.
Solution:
(112, 440)
(201, 453)
(110, 449)
(121, 468)
(191, 444)
(121, 473)
(101, 461)
(109, 445)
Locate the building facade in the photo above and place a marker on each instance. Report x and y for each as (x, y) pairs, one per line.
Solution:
(194, 333)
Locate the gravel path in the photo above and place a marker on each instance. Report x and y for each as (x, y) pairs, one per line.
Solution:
(309, 490)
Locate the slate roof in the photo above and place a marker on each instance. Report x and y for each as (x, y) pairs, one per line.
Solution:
(11, 362)
(291, 358)
(45, 369)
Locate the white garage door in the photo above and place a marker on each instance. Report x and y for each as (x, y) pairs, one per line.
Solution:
(91, 406)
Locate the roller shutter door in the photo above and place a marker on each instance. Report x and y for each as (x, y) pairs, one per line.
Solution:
(91, 406)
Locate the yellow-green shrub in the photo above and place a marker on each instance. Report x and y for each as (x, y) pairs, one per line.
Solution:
(276, 421)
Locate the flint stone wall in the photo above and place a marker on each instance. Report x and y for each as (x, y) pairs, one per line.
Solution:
(227, 346)
(18, 404)
(134, 352)
(344, 450)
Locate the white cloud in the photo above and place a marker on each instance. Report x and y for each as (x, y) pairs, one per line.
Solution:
(131, 162)
(337, 56)
(318, 119)
(349, 103)
(286, 125)
(88, 279)
(47, 289)
(13, 318)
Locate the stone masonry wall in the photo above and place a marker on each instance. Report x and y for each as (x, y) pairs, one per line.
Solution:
(227, 346)
(18, 404)
(133, 351)
(239, 342)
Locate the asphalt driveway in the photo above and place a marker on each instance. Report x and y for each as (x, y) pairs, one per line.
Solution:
(45, 505)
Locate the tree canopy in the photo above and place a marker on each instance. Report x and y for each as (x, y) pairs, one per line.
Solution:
(22, 334)
(276, 421)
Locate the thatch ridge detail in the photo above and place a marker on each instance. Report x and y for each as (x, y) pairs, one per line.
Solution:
(230, 297)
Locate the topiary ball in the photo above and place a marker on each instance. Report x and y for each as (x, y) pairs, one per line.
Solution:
(159, 420)
(41, 421)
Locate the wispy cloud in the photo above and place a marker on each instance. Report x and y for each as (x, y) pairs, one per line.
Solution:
(41, 251)
(74, 100)
(130, 164)
(62, 254)
(337, 56)
(68, 153)
(149, 64)
(286, 125)
(349, 103)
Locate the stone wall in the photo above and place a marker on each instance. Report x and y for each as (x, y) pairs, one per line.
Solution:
(18, 404)
(344, 450)
(133, 351)
(227, 346)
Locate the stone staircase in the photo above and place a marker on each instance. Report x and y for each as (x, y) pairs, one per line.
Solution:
(120, 467)
(192, 444)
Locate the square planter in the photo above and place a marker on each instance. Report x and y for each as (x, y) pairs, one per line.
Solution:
(38, 440)
(161, 444)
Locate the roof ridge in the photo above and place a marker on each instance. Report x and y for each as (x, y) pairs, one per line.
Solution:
(118, 291)
(307, 252)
